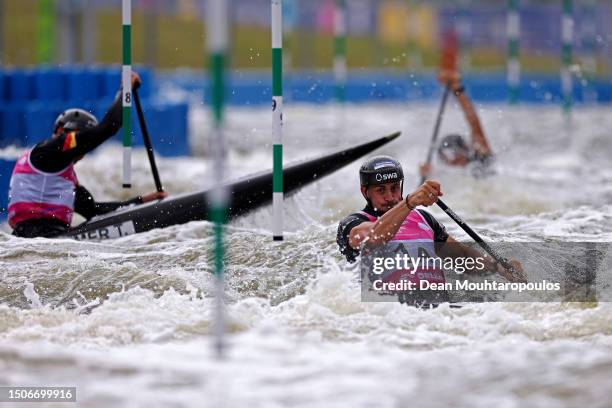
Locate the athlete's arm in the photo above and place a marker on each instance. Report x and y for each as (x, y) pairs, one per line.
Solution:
(381, 231)
(87, 140)
(85, 204)
(479, 140)
(59, 152)
(458, 250)
(454, 249)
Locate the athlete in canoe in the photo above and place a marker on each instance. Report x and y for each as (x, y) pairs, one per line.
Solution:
(44, 190)
(453, 149)
(394, 224)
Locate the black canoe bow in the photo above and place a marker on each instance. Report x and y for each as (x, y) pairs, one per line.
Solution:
(246, 194)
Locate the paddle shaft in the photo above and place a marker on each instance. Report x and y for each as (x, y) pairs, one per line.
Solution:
(434, 137)
(498, 257)
(147, 141)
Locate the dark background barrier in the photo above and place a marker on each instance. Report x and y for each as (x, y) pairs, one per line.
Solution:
(32, 98)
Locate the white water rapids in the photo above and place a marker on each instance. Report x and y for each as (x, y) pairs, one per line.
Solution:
(128, 322)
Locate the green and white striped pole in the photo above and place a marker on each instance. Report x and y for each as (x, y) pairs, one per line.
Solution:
(218, 38)
(126, 80)
(567, 36)
(464, 30)
(414, 60)
(340, 69)
(589, 45)
(513, 30)
(277, 119)
(46, 32)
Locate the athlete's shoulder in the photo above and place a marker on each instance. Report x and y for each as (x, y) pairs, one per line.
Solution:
(344, 228)
(352, 219)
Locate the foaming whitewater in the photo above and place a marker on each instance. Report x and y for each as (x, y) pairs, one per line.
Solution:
(129, 322)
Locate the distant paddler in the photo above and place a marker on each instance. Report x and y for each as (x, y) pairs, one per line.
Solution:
(393, 224)
(44, 189)
(453, 149)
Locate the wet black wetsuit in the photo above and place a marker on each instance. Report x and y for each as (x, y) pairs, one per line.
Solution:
(52, 156)
(420, 299)
(353, 220)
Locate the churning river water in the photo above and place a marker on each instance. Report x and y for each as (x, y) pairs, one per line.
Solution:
(129, 321)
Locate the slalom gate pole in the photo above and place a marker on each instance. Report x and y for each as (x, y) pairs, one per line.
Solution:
(513, 30)
(589, 44)
(277, 119)
(126, 80)
(464, 30)
(217, 25)
(46, 29)
(567, 36)
(340, 67)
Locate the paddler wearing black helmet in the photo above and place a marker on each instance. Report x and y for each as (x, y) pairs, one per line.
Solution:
(44, 190)
(454, 149)
(389, 218)
(382, 179)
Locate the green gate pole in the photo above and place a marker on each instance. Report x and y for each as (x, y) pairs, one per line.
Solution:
(277, 119)
(514, 65)
(217, 26)
(567, 36)
(340, 68)
(46, 32)
(589, 44)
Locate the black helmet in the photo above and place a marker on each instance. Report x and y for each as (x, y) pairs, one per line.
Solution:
(75, 119)
(452, 146)
(380, 170)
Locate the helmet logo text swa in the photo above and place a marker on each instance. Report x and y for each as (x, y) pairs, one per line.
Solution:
(385, 177)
